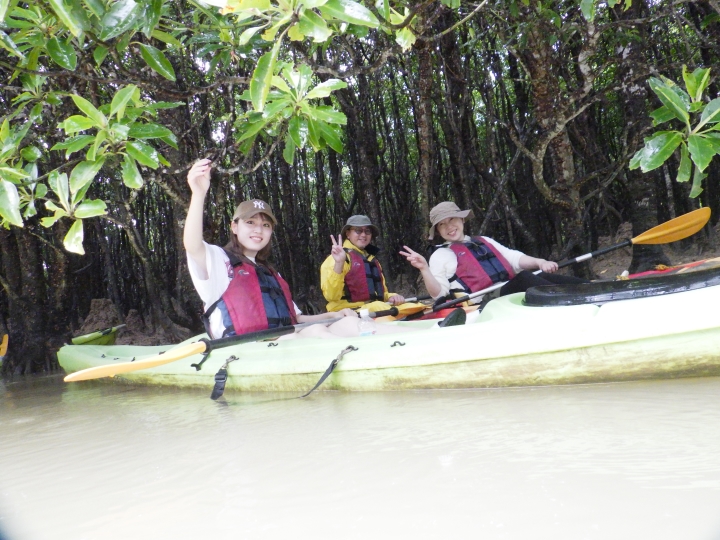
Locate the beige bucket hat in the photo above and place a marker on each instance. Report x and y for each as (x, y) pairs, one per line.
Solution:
(444, 210)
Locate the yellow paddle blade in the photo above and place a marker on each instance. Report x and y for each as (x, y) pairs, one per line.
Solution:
(110, 370)
(3, 345)
(410, 308)
(675, 229)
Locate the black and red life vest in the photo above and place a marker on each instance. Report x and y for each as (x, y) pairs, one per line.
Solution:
(257, 298)
(479, 265)
(364, 280)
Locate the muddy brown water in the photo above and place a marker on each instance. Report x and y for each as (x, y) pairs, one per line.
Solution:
(618, 461)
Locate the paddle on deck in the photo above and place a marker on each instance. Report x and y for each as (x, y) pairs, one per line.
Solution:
(199, 347)
(670, 231)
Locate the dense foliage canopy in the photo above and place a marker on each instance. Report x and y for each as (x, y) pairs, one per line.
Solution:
(528, 112)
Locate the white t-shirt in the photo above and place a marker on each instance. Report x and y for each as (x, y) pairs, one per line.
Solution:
(443, 264)
(210, 290)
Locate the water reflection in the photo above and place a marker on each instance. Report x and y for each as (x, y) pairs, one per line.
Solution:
(604, 461)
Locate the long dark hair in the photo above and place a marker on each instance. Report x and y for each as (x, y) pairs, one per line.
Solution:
(263, 256)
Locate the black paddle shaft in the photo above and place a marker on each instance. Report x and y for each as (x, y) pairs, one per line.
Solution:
(597, 253)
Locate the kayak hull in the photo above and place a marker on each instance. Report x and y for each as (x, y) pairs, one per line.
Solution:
(509, 344)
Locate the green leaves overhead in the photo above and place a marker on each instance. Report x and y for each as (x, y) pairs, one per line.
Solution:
(290, 104)
(699, 144)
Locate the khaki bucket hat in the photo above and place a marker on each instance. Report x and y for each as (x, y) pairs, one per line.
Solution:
(446, 210)
(247, 209)
(359, 221)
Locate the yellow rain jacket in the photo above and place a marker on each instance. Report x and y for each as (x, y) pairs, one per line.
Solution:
(333, 285)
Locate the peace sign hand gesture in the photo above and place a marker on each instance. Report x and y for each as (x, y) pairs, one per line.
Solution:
(338, 253)
(414, 258)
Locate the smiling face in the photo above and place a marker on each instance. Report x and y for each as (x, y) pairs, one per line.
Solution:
(360, 236)
(253, 233)
(451, 229)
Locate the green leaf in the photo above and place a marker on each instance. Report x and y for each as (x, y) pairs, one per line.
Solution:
(710, 115)
(90, 209)
(130, 174)
(89, 109)
(324, 89)
(298, 131)
(696, 82)
(143, 153)
(121, 17)
(153, 11)
(120, 99)
(74, 144)
(671, 99)
(327, 114)
(685, 165)
(63, 53)
(248, 34)
(701, 151)
(313, 25)
(74, 238)
(9, 45)
(697, 189)
(349, 11)
(100, 53)
(100, 138)
(588, 9)
(59, 184)
(247, 130)
(13, 175)
(167, 38)
(330, 135)
(405, 38)
(657, 150)
(157, 61)
(149, 131)
(261, 78)
(661, 115)
(4, 4)
(31, 153)
(84, 173)
(76, 123)
(97, 7)
(289, 150)
(64, 12)
(10, 203)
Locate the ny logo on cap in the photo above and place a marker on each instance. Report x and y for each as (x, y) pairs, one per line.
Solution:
(259, 204)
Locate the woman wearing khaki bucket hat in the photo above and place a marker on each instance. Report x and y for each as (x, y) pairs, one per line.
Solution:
(464, 264)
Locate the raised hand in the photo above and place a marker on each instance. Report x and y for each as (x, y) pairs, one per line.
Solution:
(199, 177)
(414, 258)
(337, 252)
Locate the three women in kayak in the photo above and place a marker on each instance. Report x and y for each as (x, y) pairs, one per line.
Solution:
(240, 290)
(464, 265)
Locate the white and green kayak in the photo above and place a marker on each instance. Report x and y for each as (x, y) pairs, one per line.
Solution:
(659, 327)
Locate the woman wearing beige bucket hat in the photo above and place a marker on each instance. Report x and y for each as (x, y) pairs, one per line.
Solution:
(464, 264)
(239, 288)
(351, 276)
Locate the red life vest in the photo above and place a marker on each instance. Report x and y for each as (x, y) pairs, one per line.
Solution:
(257, 298)
(480, 265)
(364, 280)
